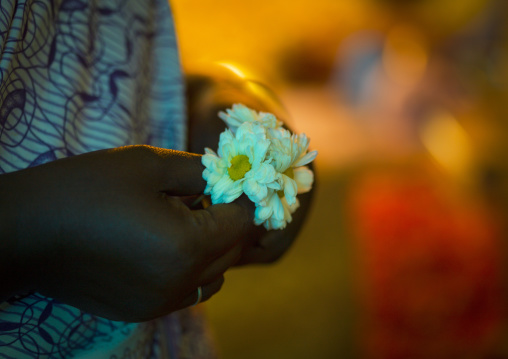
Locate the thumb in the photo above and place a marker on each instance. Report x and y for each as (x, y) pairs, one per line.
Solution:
(180, 173)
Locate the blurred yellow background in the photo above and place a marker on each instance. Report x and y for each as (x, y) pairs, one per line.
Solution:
(405, 102)
(262, 34)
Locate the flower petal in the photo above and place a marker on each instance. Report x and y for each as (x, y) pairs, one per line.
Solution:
(263, 173)
(273, 223)
(304, 178)
(262, 213)
(209, 160)
(289, 209)
(226, 144)
(290, 189)
(278, 209)
(256, 192)
(237, 115)
(233, 192)
(220, 189)
(308, 158)
(260, 151)
(269, 120)
(209, 151)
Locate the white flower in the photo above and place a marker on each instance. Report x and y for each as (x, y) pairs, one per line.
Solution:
(240, 166)
(239, 114)
(258, 157)
(289, 155)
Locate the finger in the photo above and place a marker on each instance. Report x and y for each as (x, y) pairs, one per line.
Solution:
(220, 227)
(221, 264)
(206, 234)
(169, 171)
(207, 291)
(259, 255)
(269, 249)
(180, 173)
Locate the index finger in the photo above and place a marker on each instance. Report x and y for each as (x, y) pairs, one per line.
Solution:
(181, 173)
(221, 226)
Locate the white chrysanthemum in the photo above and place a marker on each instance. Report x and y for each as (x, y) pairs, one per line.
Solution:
(240, 166)
(258, 157)
(239, 114)
(289, 155)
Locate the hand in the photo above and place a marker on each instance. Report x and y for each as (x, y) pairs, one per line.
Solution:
(103, 232)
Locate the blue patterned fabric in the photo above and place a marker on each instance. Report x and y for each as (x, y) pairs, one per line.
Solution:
(82, 75)
(78, 76)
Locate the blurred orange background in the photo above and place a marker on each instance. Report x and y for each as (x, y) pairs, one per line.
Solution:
(403, 253)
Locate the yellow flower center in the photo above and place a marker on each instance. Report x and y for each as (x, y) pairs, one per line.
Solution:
(291, 174)
(240, 165)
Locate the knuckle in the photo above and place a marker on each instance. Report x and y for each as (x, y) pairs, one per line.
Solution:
(203, 219)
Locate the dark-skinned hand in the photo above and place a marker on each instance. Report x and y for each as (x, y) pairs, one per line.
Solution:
(106, 232)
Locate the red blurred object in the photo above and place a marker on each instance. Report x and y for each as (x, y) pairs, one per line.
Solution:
(430, 270)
